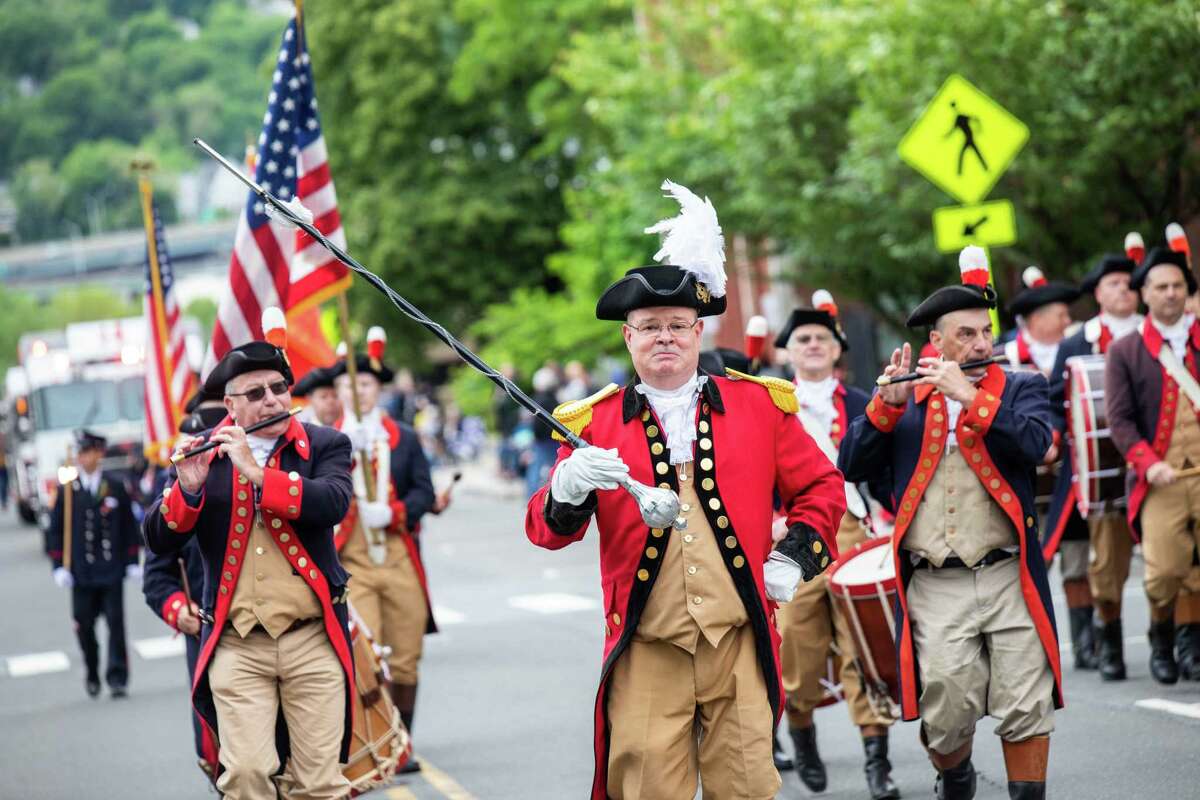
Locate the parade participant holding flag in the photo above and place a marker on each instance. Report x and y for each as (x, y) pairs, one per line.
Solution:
(809, 624)
(377, 540)
(962, 447)
(690, 681)
(262, 507)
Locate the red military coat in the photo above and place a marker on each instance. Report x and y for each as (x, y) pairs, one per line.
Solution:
(750, 448)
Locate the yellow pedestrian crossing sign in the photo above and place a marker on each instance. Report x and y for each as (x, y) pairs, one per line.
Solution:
(963, 141)
(991, 224)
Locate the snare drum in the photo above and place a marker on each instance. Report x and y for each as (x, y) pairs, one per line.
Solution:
(1099, 467)
(380, 743)
(863, 586)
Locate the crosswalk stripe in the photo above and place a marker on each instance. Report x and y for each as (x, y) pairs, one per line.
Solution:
(29, 664)
(160, 647)
(444, 783)
(448, 616)
(552, 603)
(1191, 710)
(400, 793)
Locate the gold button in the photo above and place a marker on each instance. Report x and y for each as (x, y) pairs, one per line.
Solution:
(697, 600)
(817, 547)
(926, 463)
(731, 542)
(176, 604)
(657, 448)
(224, 590)
(706, 464)
(937, 433)
(995, 484)
(1006, 498)
(949, 490)
(646, 416)
(283, 537)
(912, 492)
(976, 458)
(691, 570)
(661, 486)
(950, 530)
(167, 492)
(294, 491)
(714, 504)
(293, 550)
(301, 443)
(969, 441)
(703, 426)
(273, 463)
(983, 412)
(706, 444)
(276, 523)
(242, 479)
(688, 538)
(607, 630)
(936, 404)
(920, 477)
(652, 431)
(938, 418)
(907, 506)
(882, 421)
(242, 495)
(292, 510)
(991, 398)
(312, 573)
(933, 448)
(302, 562)
(661, 468)
(825, 561)
(738, 561)
(172, 525)
(707, 484)
(616, 618)
(685, 507)
(258, 601)
(228, 575)
(242, 512)
(651, 552)
(950, 510)
(259, 550)
(643, 575)
(236, 544)
(834, 427)
(259, 576)
(240, 528)
(985, 471)
(656, 532)
(233, 560)
(1029, 521)
(722, 521)
(293, 476)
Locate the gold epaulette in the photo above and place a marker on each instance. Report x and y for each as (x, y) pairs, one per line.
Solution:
(783, 393)
(576, 414)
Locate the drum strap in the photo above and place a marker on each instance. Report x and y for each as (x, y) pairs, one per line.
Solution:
(854, 501)
(1180, 373)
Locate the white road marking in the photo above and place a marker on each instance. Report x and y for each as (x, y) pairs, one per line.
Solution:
(448, 616)
(1065, 646)
(551, 573)
(29, 664)
(552, 603)
(1191, 710)
(160, 647)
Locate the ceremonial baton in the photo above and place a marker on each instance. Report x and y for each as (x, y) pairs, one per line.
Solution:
(258, 426)
(659, 507)
(884, 380)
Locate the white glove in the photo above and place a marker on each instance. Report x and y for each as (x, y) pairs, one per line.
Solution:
(133, 571)
(376, 515)
(584, 470)
(357, 435)
(63, 577)
(781, 576)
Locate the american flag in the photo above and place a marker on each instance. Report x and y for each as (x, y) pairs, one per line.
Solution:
(273, 264)
(168, 378)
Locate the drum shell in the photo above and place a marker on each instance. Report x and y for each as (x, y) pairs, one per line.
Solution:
(869, 608)
(380, 744)
(1098, 466)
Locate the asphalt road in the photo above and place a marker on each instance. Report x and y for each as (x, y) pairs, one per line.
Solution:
(506, 693)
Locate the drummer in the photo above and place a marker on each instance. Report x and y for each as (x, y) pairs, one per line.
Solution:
(962, 448)
(809, 624)
(1043, 314)
(1107, 531)
(1152, 399)
(324, 406)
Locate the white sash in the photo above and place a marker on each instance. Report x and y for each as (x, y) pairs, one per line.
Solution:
(854, 501)
(1180, 373)
(376, 540)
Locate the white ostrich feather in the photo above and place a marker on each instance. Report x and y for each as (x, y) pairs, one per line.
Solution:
(272, 318)
(821, 297)
(1031, 276)
(693, 240)
(376, 334)
(972, 258)
(756, 326)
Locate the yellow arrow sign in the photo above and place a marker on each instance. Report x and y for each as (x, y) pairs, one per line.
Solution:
(963, 141)
(991, 224)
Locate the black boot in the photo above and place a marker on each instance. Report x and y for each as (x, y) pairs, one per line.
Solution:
(782, 762)
(92, 685)
(956, 783)
(1187, 651)
(405, 698)
(1026, 790)
(1162, 652)
(1083, 641)
(879, 769)
(808, 761)
(1112, 651)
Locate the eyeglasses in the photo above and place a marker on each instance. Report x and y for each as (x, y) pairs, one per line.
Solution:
(278, 388)
(654, 329)
(819, 338)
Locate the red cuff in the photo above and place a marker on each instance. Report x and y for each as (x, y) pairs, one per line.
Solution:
(172, 606)
(176, 513)
(282, 492)
(399, 517)
(981, 413)
(1056, 438)
(884, 416)
(1141, 457)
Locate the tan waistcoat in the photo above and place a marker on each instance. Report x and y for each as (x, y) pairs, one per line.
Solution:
(268, 593)
(694, 593)
(354, 556)
(1185, 438)
(957, 516)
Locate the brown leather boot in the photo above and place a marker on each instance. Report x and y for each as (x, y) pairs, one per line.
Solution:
(404, 695)
(956, 773)
(1025, 762)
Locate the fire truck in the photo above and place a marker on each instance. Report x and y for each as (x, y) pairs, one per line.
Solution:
(89, 375)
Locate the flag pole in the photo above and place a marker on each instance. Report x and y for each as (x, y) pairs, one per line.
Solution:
(158, 304)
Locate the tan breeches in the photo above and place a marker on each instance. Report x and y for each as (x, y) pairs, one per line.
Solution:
(1112, 549)
(391, 603)
(813, 630)
(674, 717)
(1170, 518)
(978, 653)
(251, 679)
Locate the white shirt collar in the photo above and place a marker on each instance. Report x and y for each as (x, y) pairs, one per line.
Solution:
(1176, 334)
(675, 409)
(1043, 355)
(261, 447)
(1120, 326)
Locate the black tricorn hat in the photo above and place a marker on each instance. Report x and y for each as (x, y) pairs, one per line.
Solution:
(364, 365)
(1163, 255)
(951, 298)
(823, 312)
(247, 358)
(715, 361)
(87, 440)
(317, 378)
(1108, 264)
(1040, 292)
(202, 395)
(657, 285)
(202, 419)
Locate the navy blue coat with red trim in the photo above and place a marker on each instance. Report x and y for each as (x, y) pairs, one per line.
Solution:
(1008, 427)
(306, 491)
(104, 532)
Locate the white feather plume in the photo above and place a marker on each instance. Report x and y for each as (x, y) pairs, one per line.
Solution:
(693, 240)
(272, 319)
(376, 334)
(756, 326)
(971, 258)
(1032, 276)
(821, 297)
(1133, 240)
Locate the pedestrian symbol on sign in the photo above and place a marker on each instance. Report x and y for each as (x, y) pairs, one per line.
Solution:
(963, 122)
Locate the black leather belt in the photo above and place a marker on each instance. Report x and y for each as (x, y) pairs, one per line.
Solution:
(991, 557)
(300, 623)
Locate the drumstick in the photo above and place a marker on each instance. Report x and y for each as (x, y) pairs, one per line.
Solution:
(884, 380)
(443, 498)
(187, 590)
(266, 423)
(1190, 472)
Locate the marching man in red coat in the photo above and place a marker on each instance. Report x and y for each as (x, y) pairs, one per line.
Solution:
(690, 641)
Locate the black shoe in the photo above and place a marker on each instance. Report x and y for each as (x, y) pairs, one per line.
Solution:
(956, 783)
(1026, 790)
(879, 769)
(1083, 642)
(118, 691)
(1187, 651)
(1112, 651)
(1162, 652)
(93, 687)
(410, 767)
(808, 761)
(782, 762)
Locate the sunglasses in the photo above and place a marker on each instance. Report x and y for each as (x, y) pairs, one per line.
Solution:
(278, 388)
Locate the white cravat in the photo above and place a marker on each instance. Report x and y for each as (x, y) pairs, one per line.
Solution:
(676, 410)
(1043, 354)
(1177, 334)
(816, 397)
(371, 424)
(260, 447)
(1120, 326)
(954, 408)
(90, 481)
